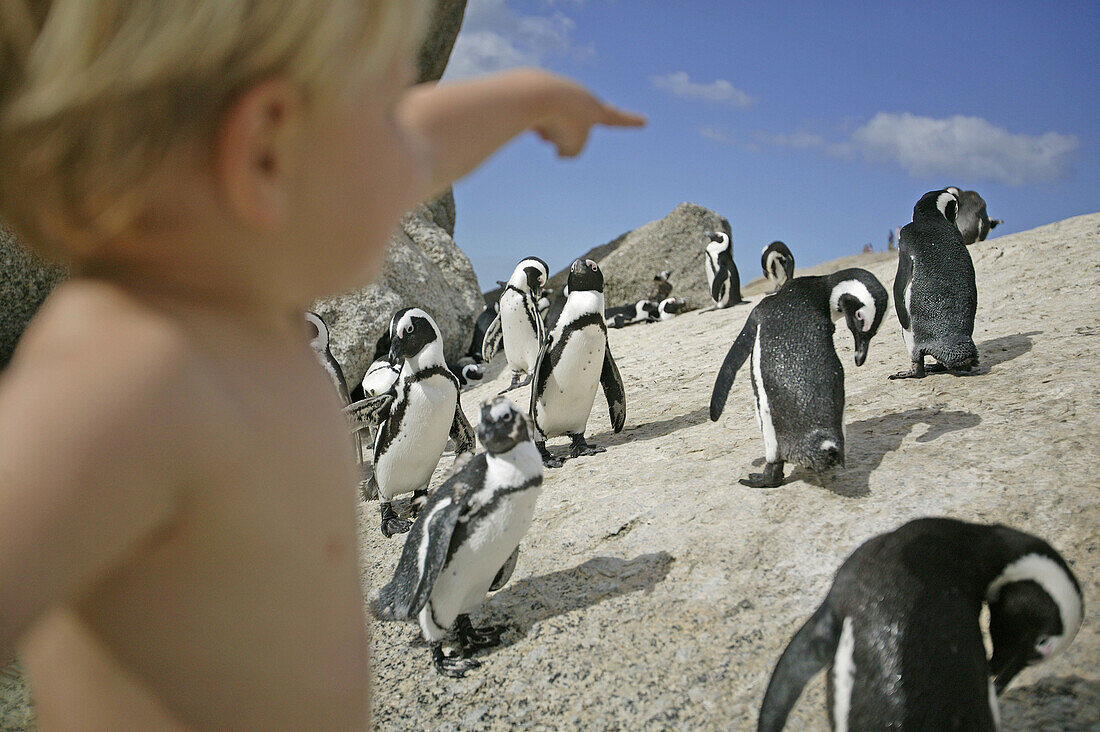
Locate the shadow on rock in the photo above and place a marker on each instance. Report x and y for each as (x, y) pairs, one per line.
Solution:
(522, 604)
(1056, 702)
(651, 430)
(869, 440)
(996, 351)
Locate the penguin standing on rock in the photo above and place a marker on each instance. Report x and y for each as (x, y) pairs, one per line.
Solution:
(725, 283)
(935, 293)
(778, 264)
(573, 361)
(796, 376)
(519, 323)
(426, 411)
(899, 630)
(466, 540)
(973, 220)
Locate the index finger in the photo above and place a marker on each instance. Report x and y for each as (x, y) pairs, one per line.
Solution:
(615, 117)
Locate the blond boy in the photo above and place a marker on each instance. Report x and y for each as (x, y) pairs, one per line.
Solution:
(177, 505)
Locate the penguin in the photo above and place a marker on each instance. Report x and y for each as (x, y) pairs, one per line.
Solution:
(972, 220)
(467, 370)
(797, 379)
(573, 360)
(624, 315)
(426, 410)
(319, 341)
(778, 264)
(899, 628)
(518, 322)
(465, 542)
(725, 283)
(481, 326)
(935, 293)
(543, 303)
(670, 307)
(380, 378)
(661, 288)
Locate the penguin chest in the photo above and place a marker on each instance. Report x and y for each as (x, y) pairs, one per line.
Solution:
(711, 270)
(566, 401)
(521, 341)
(420, 426)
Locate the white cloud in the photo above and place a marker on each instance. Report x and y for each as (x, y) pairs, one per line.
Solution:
(966, 147)
(495, 37)
(679, 84)
(716, 134)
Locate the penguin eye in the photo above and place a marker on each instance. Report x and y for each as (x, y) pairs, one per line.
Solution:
(406, 330)
(592, 266)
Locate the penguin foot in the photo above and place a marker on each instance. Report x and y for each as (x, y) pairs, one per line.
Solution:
(391, 523)
(917, 371)
(581, 448)
(474, 639)
(772, 477)
(549, 460)
(453, 666)
(516, 383)
(419, 498)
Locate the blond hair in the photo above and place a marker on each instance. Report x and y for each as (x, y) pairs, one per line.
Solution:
(95, 93)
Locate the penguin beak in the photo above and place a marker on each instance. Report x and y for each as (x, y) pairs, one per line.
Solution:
(1003, 676)
(861, 350)
(397, 351)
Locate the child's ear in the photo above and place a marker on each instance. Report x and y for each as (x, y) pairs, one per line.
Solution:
(257, 150)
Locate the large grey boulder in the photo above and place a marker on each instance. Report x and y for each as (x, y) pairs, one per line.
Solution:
(25, 280)
(676, 242)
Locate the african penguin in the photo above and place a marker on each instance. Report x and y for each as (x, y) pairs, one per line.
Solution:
(543, 303)
(518, 322)
(467, 370)
(380, 378)
(670, 307)
(319, 341)
(481, 326)
(466, 540)
(725, 283)
(574, 359)
(900, 634)
(797, 378)
(778, 264)
(935, 293)
(624, 315)
(972, 220)
(426, 410)
(661, 288)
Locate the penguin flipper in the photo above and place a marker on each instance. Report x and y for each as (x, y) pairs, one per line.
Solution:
(534, 317)
(461, 430)
(901, 281)
(718, 283)
(493, 337)
(505, 572)
(612, 382)
(810, 650)
(540, 375)
(427, 544)
(371, 411)
(735, 358)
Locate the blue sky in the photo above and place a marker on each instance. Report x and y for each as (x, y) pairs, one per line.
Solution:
(819, 124)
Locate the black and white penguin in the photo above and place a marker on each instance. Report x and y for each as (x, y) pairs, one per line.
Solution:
(543, 303)
(426, 410)
(778, 264)
(467, 370)
(972, 220)
(900, 635)
(935, 293)
(319, 341)
(725, 283)
(574, 360)
(466, 540)
(624, 315)
(518, 323)
(661, 288)
(670, 307)
(796, 375)
(380, 378)
(481, 327)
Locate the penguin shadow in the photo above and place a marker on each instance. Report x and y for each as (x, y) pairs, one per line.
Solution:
(651, 430)
(521, 605)
(1054, 703)
(869, 440)
(996, 351)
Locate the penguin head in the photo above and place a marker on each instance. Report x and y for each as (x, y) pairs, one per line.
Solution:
(860, 298)
(672, 305)
(719, 242)
(663, 275)
(318, 332)
(936, 204)
(530, 274)
(411, 331)
(585, 275)
(468, 370)
(502, 425)
(1035, 609)
(650, 308)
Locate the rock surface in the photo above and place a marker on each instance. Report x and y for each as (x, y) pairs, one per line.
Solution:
(655, 592)
(24, 283)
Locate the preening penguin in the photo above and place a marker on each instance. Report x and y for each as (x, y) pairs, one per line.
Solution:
(778, 264)
(973, 221)
(899, 629)
(796, 376)
(725, 283)
(575, 358)
(426, 411)
(519, 323)
(466, 540)
(935, 293)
